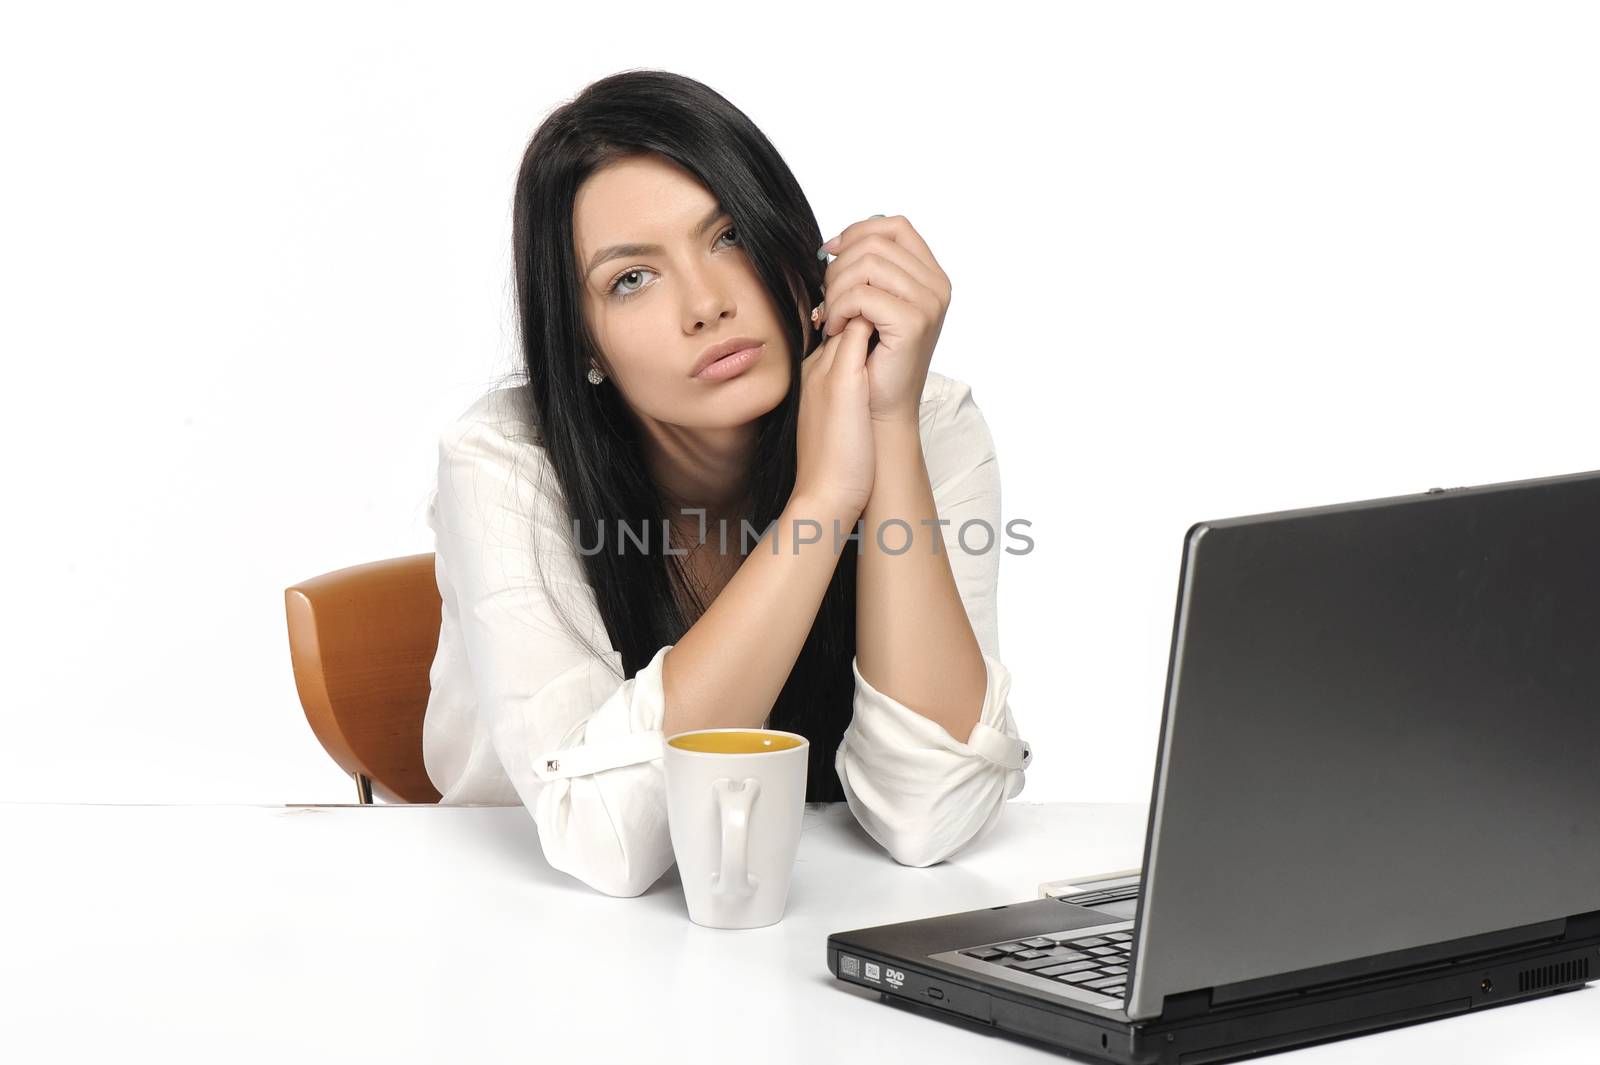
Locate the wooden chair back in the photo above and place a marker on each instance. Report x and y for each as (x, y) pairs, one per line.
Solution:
(362, 641)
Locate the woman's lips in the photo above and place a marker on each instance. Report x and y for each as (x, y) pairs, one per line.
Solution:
(732, 365)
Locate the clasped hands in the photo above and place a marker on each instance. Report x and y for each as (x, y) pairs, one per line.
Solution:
(884, 272)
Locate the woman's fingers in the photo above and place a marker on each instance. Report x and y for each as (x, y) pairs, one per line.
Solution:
(850, 346)
(873, 270)
(885, 311)
(881, 247)
(821, 356)
(897, 229)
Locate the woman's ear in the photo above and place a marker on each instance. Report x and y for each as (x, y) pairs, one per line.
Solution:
(810, 327)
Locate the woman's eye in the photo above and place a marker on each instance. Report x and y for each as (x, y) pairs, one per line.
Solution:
(617, 289)
(621, 291)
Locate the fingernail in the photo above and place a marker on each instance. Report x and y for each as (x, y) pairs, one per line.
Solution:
(822, 250)
(877, 216)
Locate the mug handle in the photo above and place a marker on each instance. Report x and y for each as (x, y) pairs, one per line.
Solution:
(734, 810)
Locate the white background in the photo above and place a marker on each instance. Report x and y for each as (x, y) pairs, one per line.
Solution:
(1208, 260)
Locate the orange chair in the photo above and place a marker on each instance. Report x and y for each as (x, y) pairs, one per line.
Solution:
(362, 641)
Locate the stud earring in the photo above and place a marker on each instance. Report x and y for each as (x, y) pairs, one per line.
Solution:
(595, 376)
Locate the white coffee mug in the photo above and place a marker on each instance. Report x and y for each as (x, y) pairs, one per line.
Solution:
(736, 798)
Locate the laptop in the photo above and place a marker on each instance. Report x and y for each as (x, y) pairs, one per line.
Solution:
(1376, 797)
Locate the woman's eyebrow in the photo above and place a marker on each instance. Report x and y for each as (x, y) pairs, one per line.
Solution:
(619, 251)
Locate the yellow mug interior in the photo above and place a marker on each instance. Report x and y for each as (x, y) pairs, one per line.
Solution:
(737, 741)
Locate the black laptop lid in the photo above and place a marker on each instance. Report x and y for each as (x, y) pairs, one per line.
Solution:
(1382, 731)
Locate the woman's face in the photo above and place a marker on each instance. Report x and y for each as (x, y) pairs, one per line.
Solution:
(655, 310)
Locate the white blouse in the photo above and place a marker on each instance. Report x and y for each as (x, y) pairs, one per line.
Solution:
(521, 711)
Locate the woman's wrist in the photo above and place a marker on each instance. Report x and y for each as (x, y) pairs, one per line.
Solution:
(897, 433)
(822, 508)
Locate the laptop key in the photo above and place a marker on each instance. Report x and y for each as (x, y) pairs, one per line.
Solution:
(1106, 982)
(1068, 967)
(1120, 937)
(1103, 951)
(1029, 955)
(1038, 943)
(1008, 948)
(1117, 970)
(1070, 955)
(1077, 978)
(984, 953)
(1091, 941)
(1035, 964)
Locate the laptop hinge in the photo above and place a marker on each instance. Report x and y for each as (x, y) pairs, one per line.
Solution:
(1187, 1004)
(1385, 966)
(1584, 925)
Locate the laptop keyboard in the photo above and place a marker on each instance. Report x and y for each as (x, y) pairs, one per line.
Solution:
(1099, 963)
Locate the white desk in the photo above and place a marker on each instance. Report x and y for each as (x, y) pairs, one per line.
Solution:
(439, 934)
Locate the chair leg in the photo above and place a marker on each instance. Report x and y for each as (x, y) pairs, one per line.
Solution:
(363, 789)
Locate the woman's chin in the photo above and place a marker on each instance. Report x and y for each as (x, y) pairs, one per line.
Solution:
(745, 398)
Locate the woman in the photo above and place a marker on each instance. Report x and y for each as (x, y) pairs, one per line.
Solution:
(631, 545)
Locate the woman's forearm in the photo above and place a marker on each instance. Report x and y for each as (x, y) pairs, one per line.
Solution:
(914, 641)
(726, 671)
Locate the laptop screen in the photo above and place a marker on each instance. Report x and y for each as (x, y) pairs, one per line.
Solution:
(1380, 733)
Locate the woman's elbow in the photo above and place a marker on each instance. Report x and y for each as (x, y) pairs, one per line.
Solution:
(590, 848)
(919, 852)
(922, 849)
(932, 843)
(619, 882)
(609, 874)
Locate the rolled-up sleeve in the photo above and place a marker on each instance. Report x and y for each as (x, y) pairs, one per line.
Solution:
(598, 795)
(580, 745)
(917, 790)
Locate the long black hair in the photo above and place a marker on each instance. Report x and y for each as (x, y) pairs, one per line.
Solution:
(589, 434)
